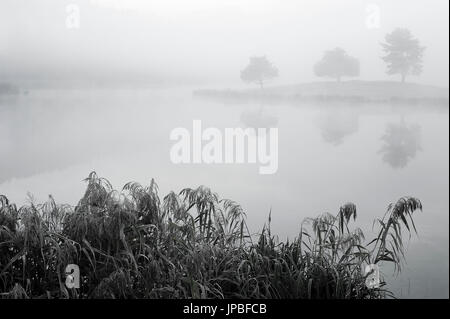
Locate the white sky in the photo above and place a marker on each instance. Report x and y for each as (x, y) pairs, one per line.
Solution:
(211, 39)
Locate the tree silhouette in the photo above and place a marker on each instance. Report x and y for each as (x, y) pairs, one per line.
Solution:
(258, 71)
(403, 53)
(336, 64)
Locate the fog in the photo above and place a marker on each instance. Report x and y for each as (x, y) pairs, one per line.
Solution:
(172, 42)
(100, 85)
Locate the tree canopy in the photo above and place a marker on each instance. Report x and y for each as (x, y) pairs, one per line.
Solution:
(403, 53)
(258, 71)
(336, 64)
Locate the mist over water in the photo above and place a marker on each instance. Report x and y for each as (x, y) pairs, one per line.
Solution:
(366, 155)
(105, 97)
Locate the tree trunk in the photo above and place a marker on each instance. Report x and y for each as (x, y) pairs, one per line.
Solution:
(403, 77)
(261, 84)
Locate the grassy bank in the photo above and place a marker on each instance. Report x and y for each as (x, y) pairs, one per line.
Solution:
(132, 244)
(349, 92)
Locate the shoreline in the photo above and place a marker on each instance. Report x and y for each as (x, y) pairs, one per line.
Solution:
(353, 92)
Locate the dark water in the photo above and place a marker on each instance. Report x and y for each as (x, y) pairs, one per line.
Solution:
(328, 155)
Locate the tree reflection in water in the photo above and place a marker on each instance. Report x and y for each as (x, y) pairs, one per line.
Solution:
(258, 119)
(337, 125)
(401, 144)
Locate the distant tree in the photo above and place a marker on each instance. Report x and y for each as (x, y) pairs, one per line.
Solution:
(336, 64)
(258, 71)
(403, 53)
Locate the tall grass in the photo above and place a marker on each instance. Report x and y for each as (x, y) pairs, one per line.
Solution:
(132, 244)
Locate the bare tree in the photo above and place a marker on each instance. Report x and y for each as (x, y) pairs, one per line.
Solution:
(403, 53)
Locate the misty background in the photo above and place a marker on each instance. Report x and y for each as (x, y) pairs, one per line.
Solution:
(104, 92)
(207, 42)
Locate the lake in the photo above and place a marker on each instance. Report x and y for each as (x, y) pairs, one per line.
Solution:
(368, 154)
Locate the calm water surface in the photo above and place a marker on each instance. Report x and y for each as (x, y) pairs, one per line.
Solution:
(328, 155)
